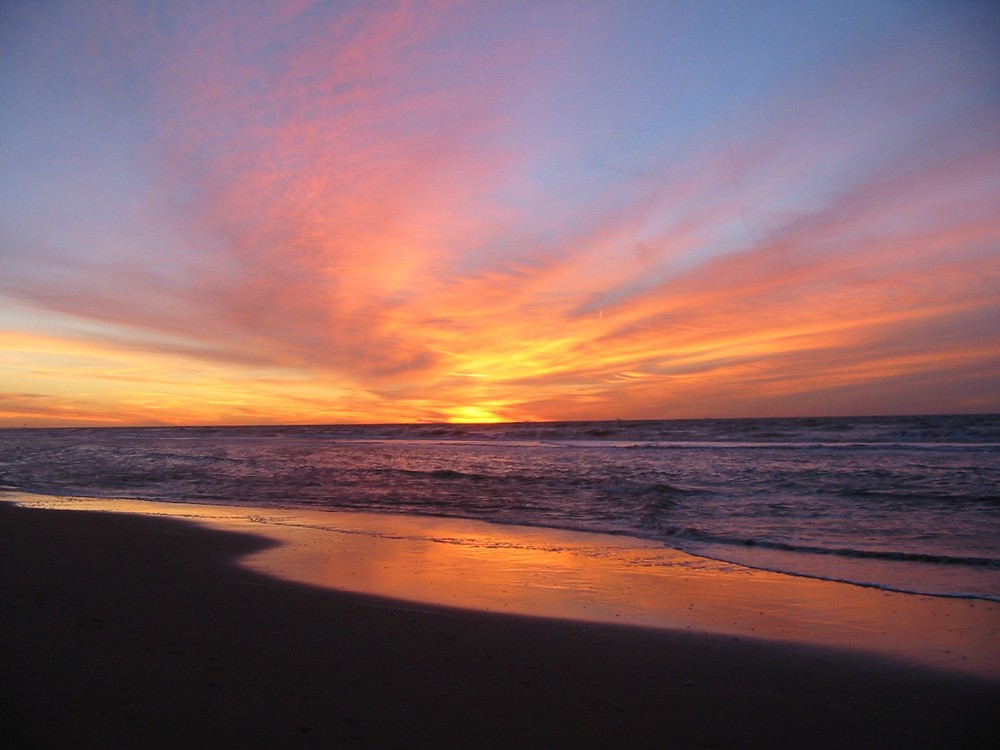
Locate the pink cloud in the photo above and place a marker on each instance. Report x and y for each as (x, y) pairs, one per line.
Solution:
(359, 196)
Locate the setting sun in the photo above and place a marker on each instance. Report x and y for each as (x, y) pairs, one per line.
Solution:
(473, 414)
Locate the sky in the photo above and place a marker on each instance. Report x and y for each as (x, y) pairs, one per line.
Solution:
(317, 212)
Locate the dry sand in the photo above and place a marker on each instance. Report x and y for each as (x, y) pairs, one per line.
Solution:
(132, 631)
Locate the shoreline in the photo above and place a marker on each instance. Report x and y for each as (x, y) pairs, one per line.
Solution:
(583, 577)
(136, 630)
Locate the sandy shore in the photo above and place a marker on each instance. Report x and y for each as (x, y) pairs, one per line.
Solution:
(132, 631)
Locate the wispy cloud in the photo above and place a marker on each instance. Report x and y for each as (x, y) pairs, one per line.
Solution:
(430, 211)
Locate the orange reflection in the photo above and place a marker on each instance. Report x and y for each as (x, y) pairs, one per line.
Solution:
(551, 573)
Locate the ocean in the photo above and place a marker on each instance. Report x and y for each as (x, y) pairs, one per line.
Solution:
(909, 504)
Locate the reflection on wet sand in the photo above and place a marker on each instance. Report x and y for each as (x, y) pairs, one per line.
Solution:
(590, 577)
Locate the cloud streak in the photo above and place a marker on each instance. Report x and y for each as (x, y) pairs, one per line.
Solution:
(431, 211)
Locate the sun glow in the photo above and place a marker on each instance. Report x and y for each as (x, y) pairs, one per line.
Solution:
(412, 213)
(473, 415)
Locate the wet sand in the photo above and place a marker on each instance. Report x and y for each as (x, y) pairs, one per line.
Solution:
(128, 631)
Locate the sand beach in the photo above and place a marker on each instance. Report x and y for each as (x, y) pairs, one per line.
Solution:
(128, 630)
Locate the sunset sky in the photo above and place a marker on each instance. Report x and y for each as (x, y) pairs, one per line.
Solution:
(305, 212)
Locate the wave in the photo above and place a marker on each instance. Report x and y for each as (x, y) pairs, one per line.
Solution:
(441, 474)
(695, 535)
(953, 495)
(898, 588)
(796, 446)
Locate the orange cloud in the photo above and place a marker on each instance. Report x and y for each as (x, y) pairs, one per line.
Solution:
(393, 213)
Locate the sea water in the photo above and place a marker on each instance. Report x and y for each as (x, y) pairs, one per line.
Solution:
(908, 504)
